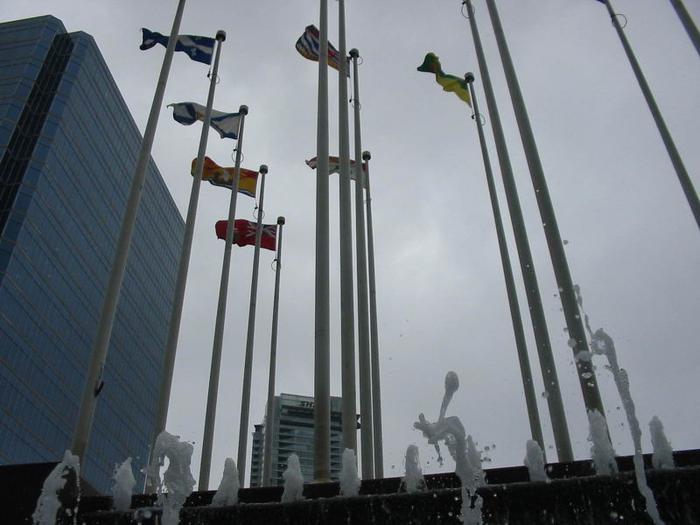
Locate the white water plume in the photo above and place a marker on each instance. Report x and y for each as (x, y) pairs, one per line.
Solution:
(123, 488)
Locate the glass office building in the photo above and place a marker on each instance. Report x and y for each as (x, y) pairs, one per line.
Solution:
(292, 429)
(68, 150)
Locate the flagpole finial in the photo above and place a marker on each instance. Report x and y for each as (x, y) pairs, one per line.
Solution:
(243, 109)
(263, 169)
(366, 155)
(280, 220)
(354, 53)
(221, 35)
(469, 77)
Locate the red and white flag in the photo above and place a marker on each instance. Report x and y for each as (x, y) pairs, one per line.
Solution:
(244, 233)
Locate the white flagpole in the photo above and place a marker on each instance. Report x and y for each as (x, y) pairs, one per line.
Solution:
(527, 268)
(574, 323)
(525, 371)
(208, 439)
(374, 334)
(250, 337)
(184, 263)
(366, 427)
(322, 389)
(93, 381)
(688, 23)
(681, 172)
(267, 455)
(347, 311)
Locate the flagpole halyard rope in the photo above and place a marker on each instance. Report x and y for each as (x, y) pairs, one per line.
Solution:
(464, 8)
(619, 15)
(482, 119)
(233, 155)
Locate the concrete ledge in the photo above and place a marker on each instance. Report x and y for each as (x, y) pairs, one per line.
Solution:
(598, 500)
(574, 496)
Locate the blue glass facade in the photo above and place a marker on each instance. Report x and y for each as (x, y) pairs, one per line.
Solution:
(68, 149)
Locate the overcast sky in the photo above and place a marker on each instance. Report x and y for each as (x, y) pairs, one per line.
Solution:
(633, 245)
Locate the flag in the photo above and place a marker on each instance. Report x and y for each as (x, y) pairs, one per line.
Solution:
(220, 176)
(226, 124)
(334, 166)
(244, 233)
(198, 48)
(309, 46)
(458, 86)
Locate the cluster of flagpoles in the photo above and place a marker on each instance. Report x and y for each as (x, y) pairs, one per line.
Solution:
(314, 45)
(464, 89)
(231, 125)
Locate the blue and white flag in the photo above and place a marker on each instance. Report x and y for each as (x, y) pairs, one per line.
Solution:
(226, 124)
(198, 48)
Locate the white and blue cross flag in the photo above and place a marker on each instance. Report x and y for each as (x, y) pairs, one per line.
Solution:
(198, 48)
(226, 124)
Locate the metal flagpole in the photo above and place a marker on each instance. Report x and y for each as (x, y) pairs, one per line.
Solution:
(267, 457)
(577, 335)
(366, 432)
(183, 265)
(373, 332)
(688, 23)
(322, 369)
(93, 381)
(521, 346)
(347, 312)
(250, 338)
(527, 266)
(681, 172)
(208, 439)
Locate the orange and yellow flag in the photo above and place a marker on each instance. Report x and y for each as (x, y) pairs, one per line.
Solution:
(220, 176)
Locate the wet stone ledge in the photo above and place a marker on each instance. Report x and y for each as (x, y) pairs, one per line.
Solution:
(588, 500)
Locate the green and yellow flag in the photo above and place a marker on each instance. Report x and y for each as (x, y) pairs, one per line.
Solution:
(456, 85)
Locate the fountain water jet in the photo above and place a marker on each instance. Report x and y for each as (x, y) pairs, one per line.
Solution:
(534, 461)
(602, 344)
(602, 451)
(462, 449)
(177, 478)
(663, 453)
(227, 494)
(293, 480)
(414, 480)
(123, 487)
(349, 480)
(49, 502)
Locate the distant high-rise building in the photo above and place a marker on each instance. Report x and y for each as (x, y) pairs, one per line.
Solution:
(68, 151)
(293, 433)
(256, 463)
